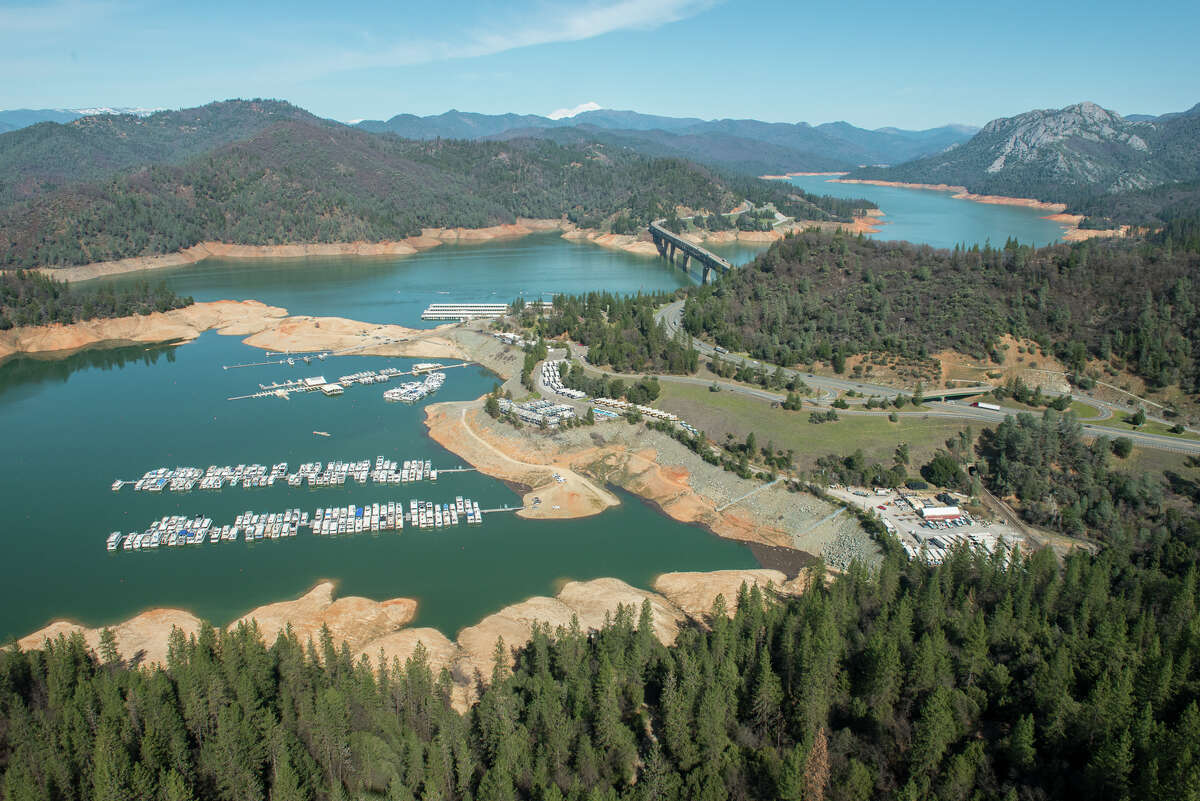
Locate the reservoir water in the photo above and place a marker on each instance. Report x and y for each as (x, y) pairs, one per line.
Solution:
(72, 426)
(936, 218)
(69, 427)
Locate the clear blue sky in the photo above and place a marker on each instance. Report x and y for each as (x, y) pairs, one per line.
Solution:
(909, 64)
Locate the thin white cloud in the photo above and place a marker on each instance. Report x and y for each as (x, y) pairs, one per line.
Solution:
(574, 22)
(563, 113)
(55, 16)
(549, 23)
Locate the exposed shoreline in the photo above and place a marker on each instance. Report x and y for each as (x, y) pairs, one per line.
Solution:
(787, 175)
(381, 630)
(428, 239)
(261, 326)
(1070, 222)
(643, 466)
(636, 244)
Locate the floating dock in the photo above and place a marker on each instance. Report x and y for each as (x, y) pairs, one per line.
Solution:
(318, 383)
(310, 474)
(178, 530)
(474, 311)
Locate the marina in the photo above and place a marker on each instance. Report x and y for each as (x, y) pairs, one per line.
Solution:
(310, 474)
(433, 372)
(331, 521)
(166, 408)
(473, 311)
(413, 391)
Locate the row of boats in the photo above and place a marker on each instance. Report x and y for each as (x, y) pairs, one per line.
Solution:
(314, 474)
(178, 530)
(413, 391)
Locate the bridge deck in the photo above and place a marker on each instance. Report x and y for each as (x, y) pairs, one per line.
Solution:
(693, 250)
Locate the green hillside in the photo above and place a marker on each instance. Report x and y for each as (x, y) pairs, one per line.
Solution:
(43, 157)
(813, 296)
(304, 181)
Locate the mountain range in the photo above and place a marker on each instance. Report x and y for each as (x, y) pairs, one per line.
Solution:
(749, 146)
(267, 172)
(1086, 156)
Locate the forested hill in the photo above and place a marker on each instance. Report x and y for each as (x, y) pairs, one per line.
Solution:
(749, 146)
(300, 181)
(28, 297)
(982, 678)
(48, 155)
(1082, 155)
(819, 296)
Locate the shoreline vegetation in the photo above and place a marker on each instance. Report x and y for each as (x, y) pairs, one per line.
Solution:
(380, 630)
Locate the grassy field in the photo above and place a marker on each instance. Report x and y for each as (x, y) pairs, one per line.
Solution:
(1148, 427)
(1154, 461)
(1084, 411)
(726, 412)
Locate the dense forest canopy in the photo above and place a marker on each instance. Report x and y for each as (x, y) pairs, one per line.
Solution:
(28, 297)
(43, 157)
(620, 331)
(303, 180)
(815, 295)
(985, 677)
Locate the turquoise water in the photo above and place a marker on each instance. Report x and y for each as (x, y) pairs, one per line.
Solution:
(396, 290)
(72, 426)
(937, 219)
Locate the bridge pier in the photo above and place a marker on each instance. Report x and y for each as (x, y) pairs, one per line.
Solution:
(660, 244)
(668, 243)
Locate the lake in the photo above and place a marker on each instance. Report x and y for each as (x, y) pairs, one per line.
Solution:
(936, 218)
(72, 426)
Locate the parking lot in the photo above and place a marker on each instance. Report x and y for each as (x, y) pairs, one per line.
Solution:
(917, 535)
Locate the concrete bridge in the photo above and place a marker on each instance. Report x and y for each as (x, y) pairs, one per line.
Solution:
(668, 243)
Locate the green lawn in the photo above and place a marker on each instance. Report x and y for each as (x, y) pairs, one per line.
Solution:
(1084, 411)
(719, 413)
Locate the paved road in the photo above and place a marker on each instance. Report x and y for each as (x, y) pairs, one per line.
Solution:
(671, 316)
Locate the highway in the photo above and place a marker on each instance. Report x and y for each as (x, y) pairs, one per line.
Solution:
(671, 317)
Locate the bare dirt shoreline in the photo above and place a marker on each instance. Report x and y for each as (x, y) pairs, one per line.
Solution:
(1070, 222)
(380, 629)
(266, 327)
(636, 244)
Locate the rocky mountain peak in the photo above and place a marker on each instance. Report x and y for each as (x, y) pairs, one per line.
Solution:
(1026, 137)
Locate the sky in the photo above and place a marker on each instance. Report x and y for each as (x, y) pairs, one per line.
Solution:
(909, 64)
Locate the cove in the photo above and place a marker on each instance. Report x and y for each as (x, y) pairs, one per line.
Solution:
(72, 426)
